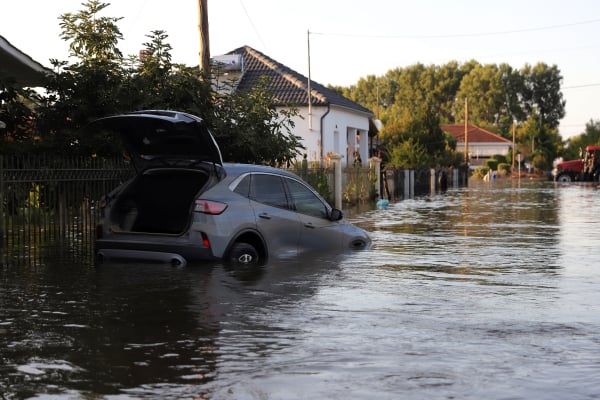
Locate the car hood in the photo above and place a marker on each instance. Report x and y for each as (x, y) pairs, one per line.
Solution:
(153, 137)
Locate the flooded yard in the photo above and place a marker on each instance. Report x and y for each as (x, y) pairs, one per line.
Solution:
(490, 291)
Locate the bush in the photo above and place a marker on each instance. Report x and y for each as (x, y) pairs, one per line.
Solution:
(492, 164)
(504, 167)
(480, 172)
(500, 158)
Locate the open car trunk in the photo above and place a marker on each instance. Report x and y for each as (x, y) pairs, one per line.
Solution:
(158, 201)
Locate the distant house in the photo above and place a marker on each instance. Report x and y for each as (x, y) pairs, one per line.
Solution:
(328, 123)
(19, 67)
(481, 144)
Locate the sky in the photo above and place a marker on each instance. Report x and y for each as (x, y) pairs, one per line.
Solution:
(351, 39)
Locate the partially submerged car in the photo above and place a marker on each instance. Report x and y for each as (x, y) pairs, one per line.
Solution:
(186, 205)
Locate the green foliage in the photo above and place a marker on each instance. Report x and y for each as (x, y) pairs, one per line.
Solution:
(16, 112)
(100, 82)
(419, 132)
(500, 158)
(576, 144)
(93, 39)
(539, 142)
(409, 154)
(250, 129)
(492, 164)
(480, 172)
(503, 167)
(542, 93)
(498, 95)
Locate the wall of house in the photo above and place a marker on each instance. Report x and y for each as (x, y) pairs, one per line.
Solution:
(487, 150)
(344, 132)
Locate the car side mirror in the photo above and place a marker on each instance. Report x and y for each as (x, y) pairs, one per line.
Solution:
(336, 214)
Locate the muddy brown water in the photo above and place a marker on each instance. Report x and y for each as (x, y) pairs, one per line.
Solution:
(490, 291)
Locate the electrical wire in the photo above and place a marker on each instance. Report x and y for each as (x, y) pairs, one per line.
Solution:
(254, 27)
(581, 86)
(459, 35)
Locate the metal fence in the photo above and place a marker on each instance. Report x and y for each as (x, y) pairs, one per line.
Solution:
(50, 205)
(358, 183)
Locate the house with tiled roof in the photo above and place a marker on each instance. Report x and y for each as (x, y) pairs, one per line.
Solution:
(481, 144)
(328, 121)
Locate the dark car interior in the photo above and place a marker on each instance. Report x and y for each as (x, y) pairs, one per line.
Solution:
(158, 201)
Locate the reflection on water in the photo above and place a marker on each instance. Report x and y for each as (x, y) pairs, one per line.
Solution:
(492, 291)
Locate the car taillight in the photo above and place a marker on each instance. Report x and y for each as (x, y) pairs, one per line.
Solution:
(209, 207)
(205, 240)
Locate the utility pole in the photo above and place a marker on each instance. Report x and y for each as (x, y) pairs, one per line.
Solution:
(204, 41)
(512, 168)
(309, 88)
(466, 133)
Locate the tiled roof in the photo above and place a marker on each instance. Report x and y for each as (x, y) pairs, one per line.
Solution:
(475, 134)
(288, 86)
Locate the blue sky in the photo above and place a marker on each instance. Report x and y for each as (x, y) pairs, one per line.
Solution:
(351, 39)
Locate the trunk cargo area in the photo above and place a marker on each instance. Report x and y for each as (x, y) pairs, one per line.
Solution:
(159, 201)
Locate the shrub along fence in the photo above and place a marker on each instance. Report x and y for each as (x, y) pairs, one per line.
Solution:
(50, 205)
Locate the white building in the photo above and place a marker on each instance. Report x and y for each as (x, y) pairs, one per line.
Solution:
(329, 123)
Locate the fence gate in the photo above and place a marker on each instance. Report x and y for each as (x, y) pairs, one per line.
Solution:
(50, 205)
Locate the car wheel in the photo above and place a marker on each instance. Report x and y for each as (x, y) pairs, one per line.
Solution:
(564, 178)
(243, 254)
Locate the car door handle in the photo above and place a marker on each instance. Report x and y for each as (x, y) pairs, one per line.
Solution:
(264, 216)
(309, 225)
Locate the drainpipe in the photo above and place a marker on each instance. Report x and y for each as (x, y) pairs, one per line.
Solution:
(321, 128)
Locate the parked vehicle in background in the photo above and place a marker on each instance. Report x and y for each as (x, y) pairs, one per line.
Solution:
(186, 205)
(585, 169)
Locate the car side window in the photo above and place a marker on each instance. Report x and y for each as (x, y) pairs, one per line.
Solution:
(243, 187)
(268, 189)
(305, 201)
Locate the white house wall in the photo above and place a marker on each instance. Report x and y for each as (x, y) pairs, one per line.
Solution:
(340, 129)
(488, 149)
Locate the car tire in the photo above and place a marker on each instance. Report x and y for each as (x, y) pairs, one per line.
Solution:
(243, 254)
(564, 177)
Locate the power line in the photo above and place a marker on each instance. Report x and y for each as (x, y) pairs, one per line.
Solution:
(581, 86)
(459, 35)
(254, 27)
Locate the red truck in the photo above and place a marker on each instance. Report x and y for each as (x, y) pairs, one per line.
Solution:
(584, 169)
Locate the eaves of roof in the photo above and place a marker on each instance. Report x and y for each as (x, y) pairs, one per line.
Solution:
(14, 64)
(288, 86)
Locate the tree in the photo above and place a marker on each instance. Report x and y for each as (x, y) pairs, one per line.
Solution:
(539, 142)
(17, 115)
(157, 83)
(422, 129)
(87, 89)
(483, 89)
(248, 128)
(408, 155)
(101, 82)
(591, 137)
(541, 93)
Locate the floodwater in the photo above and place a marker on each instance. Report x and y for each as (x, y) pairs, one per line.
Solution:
(486, 292)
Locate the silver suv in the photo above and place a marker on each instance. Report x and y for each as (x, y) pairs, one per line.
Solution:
(186, 205)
